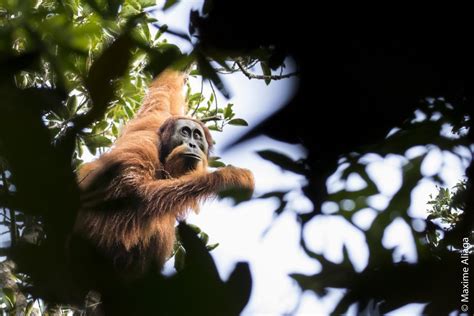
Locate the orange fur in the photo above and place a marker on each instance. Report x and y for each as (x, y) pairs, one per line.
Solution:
(130, 200)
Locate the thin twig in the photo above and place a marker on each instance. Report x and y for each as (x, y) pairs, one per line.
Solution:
(234, 68)
(165, 29)
(200, 99)
(225, 71)
(264, 77)
(215, 95)
(211, 118)
(215, 100)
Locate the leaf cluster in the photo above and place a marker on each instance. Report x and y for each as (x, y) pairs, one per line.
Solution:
(73, 72)
(379, 282)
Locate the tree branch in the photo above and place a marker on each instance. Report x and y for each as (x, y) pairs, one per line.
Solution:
(211, 118)
(200, 99)
(165, 29)
(6, 199)
(13, 228)
(264, 77)
(4, 252)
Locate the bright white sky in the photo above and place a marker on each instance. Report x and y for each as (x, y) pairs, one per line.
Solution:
(239, 230)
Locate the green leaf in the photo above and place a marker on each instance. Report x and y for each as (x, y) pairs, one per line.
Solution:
(115, 130)
(194, 227)
(30, 309)
(214, 128)
(195, 97)
(10, 296)
(266, 71)
(180, 258)
(211, 98)
(238, 122)
(71, 105)
(98, 7)
(96, 141)
(204, 237)
(100, 127)
(146, 3)
(129, 110)
(212, 246)
(214, 162)
(169, 4)
(144, 32)
(99, 141)
(228, 112)
(79, 148)
(195, 72)
(129, 10)
(150, 19)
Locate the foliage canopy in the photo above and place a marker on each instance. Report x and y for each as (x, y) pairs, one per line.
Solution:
(73, 71)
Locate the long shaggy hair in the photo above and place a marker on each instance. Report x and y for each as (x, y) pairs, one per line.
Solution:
(129, 202)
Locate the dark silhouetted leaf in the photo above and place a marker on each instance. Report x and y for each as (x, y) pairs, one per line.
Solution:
(239, 286)
(179, 258)
(207, 71)
(198, 258)
(163, 57)
(109, 66)
(282, 161)
(306, 282)
(277, 194)
(113, 7)
(237, 195)
(280, 208)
